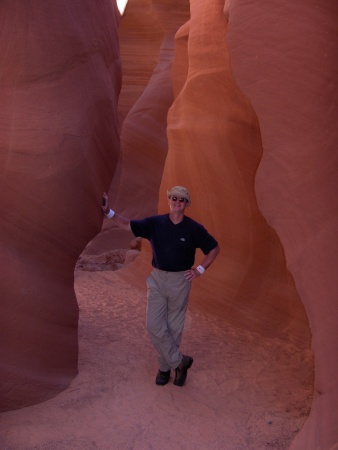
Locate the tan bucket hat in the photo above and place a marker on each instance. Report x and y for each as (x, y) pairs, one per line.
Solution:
(180, 191)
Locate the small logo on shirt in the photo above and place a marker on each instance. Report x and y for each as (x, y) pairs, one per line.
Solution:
(182, 239)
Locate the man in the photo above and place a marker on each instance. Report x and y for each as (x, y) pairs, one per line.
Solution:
(174, 238)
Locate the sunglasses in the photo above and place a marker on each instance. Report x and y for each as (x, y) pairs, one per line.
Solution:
(181, 199)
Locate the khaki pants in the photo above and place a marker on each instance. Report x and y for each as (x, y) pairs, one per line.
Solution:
(168, 294)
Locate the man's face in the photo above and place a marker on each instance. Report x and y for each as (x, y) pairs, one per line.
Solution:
(177, 203)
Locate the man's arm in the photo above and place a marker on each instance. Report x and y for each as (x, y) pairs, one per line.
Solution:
(209, 258)
(121, 222)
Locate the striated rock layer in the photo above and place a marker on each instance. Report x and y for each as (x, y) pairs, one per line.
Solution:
(59, 142)
(144, 142)
(254, 93)
(147, 34)
(215, 148)
(285, 59)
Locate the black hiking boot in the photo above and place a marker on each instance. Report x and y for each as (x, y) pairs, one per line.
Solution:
(162, 378)
(182, 370)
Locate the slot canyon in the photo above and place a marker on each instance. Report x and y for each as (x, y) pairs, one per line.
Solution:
(235, 99)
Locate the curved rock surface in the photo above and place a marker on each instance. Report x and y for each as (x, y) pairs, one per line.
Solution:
(144, 142)
(232, 103)
(59, 84)
(217, 154)
(215, 148)
(285, 59)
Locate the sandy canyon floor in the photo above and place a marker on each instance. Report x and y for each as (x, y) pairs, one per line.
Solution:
(242, 392)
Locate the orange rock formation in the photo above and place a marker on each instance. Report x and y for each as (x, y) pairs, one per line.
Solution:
(285, 60)
(215, 148)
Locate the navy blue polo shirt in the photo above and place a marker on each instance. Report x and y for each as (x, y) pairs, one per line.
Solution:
(173, 245)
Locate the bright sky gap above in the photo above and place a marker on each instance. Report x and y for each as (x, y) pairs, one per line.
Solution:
(121, 4)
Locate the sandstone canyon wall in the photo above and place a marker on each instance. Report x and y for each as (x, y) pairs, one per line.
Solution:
(284, 58)
(147, 33)
(215, 148)
(215, 93)
(258, 77)
(59, 82)
(144, 143)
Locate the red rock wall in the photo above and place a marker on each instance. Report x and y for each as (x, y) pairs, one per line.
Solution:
(254, 96)
(272, 73)
(59, 141)
(284, 57)
(147, 32)
(215, 149)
